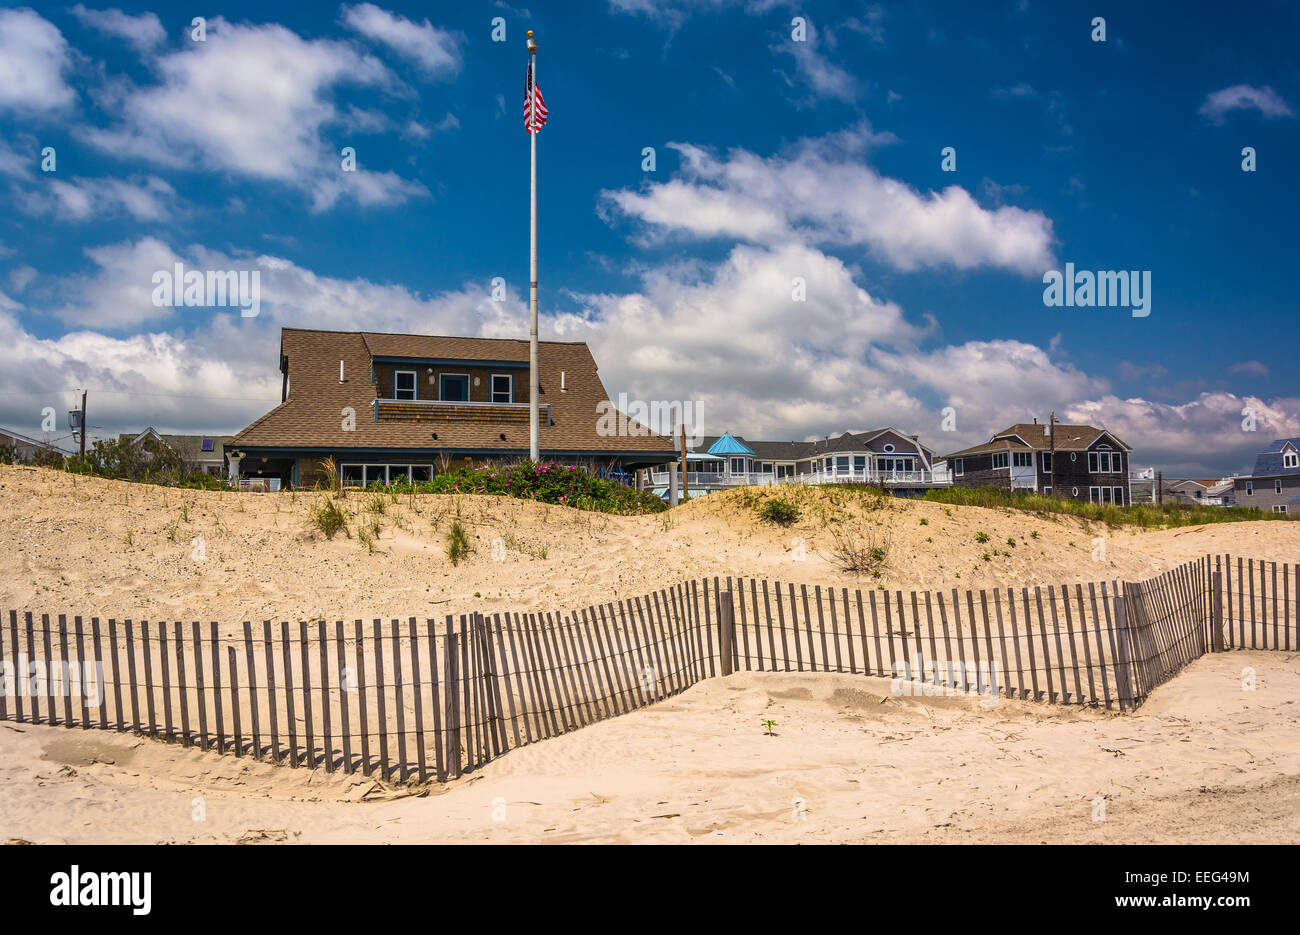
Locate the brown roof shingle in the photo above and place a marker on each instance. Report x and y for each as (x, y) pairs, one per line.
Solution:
(312, 416)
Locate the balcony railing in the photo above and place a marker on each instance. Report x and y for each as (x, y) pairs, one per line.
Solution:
(447, 410)
(762, 479)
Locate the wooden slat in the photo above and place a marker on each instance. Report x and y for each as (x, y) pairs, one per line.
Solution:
(216, 686)
(526, 681)
(974, 641)
(183, 692)
(252, 688)
(233, 658)
(505, 665)
(780, 615)
(1047, 656)
(771, 635)
(821, 626)
(398, 701)
(304, 652)
(848, 631)
(199, 685)
(64, 674)
(452, 691)
(548, 723)
(436, 710)
(117, 672)
(364, 721)
(286, 651)
(1074, 652)
(889, 631)
(323, 646)
(345, 689)
(385, 764)
(31, 654)
(808, 630)
(875, 636)
(272, 709)
(22, 681)
(1101, 651)
(51, 708)
(81, 668)
(496, 665)
(164, 657)
(744, 621)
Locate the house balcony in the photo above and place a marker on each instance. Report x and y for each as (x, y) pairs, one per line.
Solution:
(718, 479)
(441, 410)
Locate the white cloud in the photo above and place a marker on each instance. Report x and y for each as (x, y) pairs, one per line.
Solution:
(20, 277)
(823, 77)
(802, 196)
(80, 199)
(33, 59)
(435, 51)
(143, 32)
(256, 101)
(1245, 97)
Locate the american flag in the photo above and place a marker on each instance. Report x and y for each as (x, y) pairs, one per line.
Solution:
(533, 96)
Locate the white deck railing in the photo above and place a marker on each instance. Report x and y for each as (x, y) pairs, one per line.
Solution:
(764, 479)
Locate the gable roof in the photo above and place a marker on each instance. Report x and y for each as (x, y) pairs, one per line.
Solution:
(311, 416)
(1033, 436)
(1269, 461)
(34, 442)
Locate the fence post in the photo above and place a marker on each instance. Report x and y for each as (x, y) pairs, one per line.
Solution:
(726, 630)
(1216, 612)
(1125, 682)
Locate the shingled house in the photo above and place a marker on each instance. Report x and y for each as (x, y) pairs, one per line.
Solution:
(1081, 462)
(1274, 485)
(388, 406)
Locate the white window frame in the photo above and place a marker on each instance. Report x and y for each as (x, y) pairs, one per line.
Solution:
(1117, 495)
(1250, 488)
(415, 384)
(1005, 458)
(1094, 494)
(888, 449)
(1026, 456)
(442, 397)
(1279, 508)
(1277, 486)
(731, 465)
(1290, 459)
(959, 467)
(1046, 462)
(492, 387)
(1047, 491)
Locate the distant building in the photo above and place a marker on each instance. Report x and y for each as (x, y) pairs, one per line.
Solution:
(205, 453)
(1274, 484)
(1080, 462)
(27, 448)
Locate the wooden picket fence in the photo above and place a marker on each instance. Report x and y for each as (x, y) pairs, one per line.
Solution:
(418, 700)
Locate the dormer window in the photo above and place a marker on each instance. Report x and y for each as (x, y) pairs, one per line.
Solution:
(404, 384)
(453, 387)
(1290, 459)
(503, 388)
(889, 449)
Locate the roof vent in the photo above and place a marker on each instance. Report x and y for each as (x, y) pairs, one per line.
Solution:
(341, 371)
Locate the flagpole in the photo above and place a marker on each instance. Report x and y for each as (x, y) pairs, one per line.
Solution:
(532, 258)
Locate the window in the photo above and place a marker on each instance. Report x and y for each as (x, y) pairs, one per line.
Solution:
(1291, 459)
(999, 460)
(1047, 491)
(1118, 495)
(1094, 494)
(1277, 486)
(859, 463)
(453, 387)
(828, 465)
(889, 449)
(1022, 459)
(503, 388)
(1279, 508)
(207, 444)
(1104, 462)
(737, 465)
(363, 475)
(767, 467)
(1074, 491)
(1250, 488)
(959, 466)
(842, 464)
(1047, 462)
(403, 384)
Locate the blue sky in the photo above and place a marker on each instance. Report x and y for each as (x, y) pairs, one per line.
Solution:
(778, 158)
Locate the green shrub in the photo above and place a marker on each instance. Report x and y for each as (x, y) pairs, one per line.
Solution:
(778, 510)
(981, 537)
(544, 481)
(458, 542)
(327, 517)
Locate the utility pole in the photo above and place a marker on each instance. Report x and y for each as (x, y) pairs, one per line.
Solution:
(84, 425)
(1051, 435)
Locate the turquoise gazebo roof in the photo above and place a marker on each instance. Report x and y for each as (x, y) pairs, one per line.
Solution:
(728, 445)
